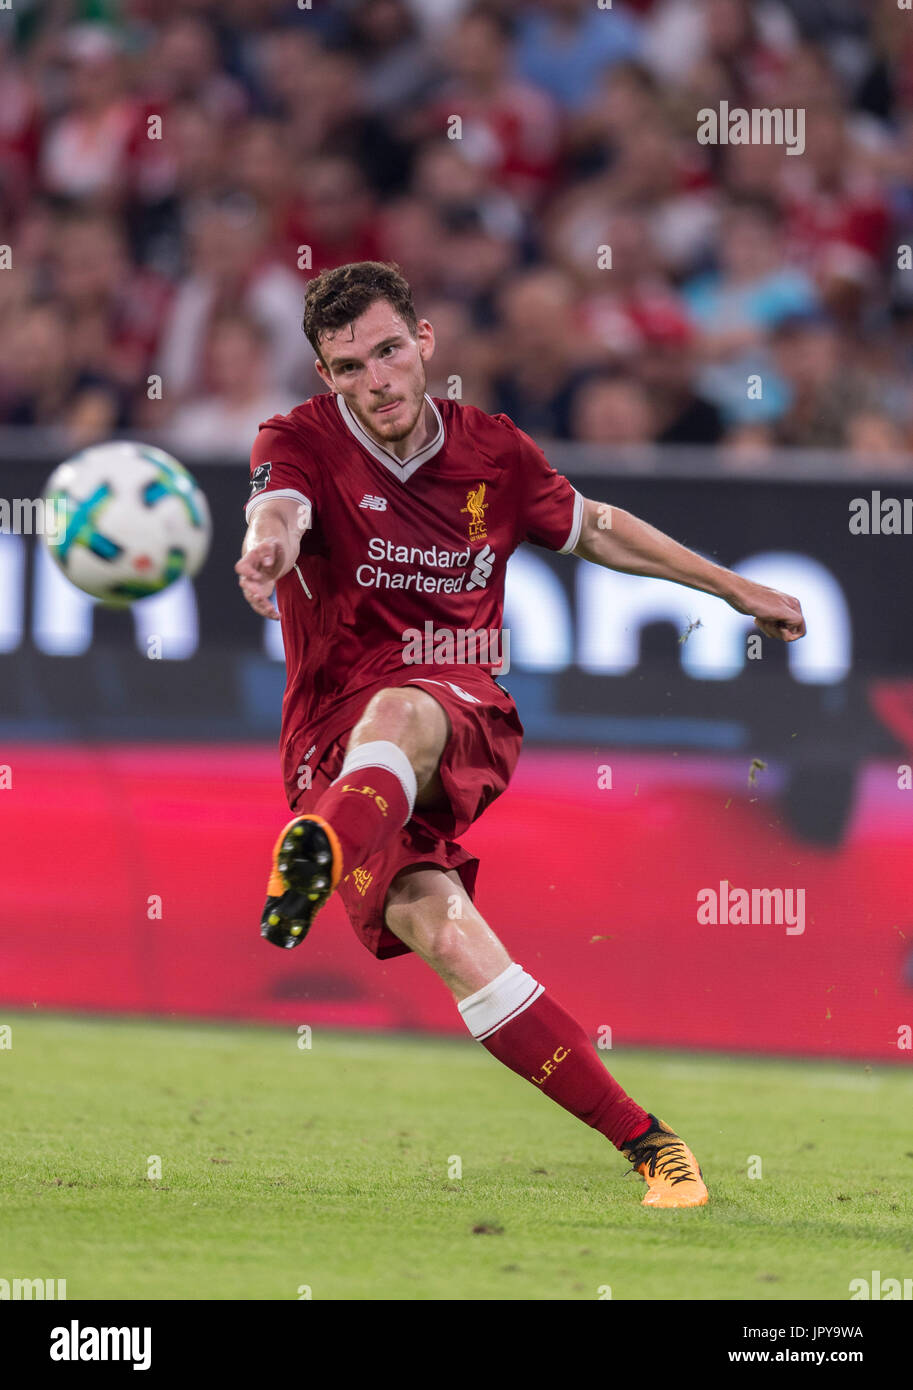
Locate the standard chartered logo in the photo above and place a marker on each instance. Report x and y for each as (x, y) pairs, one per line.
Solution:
(482, 569)
(419, 562)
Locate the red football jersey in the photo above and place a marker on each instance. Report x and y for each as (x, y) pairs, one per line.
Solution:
(398, 553)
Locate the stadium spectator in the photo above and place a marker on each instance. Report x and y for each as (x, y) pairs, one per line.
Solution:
(837, 215)
(627, 101)
(453, 184)
(630, 299)
(240, 395)
(667, 369)
(284, 129)
(463, 362)
(109, 301)
(734, 46)
(20, 130)
(192, 169)
(409, 233)
(658, 178)
(508, 127)
(612, 411)
(278, 61)
(42, 384)
(327, 115)
(886, 85)
(399, 68)
(473, 261)
(541, 350)
(565, 46)
(184, 65)
(875, 440)
(85, 152)
(736, 308)
(822, 388)
(263, 170)
(334, 215)
(34, 242)
(746, 448)
(737, 305)
(232, 266)
(199, 148)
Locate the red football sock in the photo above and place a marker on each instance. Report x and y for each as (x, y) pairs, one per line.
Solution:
(526, 1030)
(371, 799)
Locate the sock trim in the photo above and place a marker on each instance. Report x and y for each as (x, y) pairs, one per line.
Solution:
(499, 1002)
(389, 756)
(521, 1008)
(505, 975)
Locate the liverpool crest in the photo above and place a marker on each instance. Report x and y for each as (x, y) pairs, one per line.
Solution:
(476, 506)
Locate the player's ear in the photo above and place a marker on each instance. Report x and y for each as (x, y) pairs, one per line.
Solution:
(324, 374)
(424, 334)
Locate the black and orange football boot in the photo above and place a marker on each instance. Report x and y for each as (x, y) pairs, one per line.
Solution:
(307, 864)
(672, 1173)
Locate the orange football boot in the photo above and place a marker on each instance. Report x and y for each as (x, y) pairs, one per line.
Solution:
(672, 1173)
(307, 865)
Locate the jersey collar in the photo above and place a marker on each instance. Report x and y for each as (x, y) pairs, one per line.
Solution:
(400, 468)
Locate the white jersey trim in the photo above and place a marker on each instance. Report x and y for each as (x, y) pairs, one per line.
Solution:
(400, 468)
(279, 492)
(576, 525)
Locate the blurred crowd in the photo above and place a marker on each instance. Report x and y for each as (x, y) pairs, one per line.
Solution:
(589, 267)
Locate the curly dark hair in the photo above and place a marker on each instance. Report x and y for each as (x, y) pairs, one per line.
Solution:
(336, 297)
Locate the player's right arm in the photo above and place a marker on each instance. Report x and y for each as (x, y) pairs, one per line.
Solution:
(270, 549)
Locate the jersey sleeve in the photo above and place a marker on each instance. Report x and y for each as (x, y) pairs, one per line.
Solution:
(552, 508)
(279, 467)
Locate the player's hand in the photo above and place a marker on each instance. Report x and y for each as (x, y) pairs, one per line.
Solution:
(777, 615)
(258, 571)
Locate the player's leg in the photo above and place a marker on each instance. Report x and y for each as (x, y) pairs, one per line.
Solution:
(390, 766)
(518, 1022)
(391, 763)
(414, 722)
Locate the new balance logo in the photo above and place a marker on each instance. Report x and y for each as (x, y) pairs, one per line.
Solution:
(374, 504)
(482, 568)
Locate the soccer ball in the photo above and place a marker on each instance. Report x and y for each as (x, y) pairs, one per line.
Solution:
(129, 521)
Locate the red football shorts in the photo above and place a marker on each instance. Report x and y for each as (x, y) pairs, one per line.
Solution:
(475, 768)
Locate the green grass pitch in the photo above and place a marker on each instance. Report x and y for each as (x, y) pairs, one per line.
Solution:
(330, 1169)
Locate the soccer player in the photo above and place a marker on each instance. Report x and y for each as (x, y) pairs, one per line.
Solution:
(373, 509)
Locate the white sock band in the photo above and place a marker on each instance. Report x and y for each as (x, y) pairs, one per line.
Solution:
(391, 758)
(500, 1001)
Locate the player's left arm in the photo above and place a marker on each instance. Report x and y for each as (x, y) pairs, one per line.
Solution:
(618, 540)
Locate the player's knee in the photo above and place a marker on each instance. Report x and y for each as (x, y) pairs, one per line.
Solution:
(409, 718)
(391, 714)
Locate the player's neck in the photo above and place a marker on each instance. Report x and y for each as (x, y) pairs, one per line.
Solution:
(423, 433)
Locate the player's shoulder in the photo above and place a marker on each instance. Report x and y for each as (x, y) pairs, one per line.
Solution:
(471, 418)
(496, 435)
(308, 422)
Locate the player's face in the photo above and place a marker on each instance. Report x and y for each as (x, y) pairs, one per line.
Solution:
(378, 367)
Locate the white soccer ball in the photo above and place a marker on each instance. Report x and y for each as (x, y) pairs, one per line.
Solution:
(124, 521)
